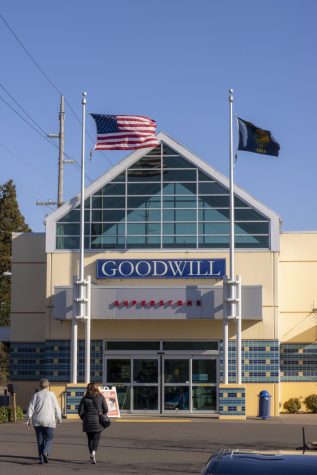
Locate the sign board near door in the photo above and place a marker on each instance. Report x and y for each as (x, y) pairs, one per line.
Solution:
(111, 398)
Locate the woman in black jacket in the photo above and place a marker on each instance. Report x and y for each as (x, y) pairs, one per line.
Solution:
(91, 405)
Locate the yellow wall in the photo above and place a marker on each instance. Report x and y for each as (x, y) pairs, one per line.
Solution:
(298, 390)
(298, 287)
(252, 400)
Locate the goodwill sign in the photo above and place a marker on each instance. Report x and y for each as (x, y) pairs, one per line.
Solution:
(161, 268)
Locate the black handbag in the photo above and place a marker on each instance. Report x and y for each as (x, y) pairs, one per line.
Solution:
(104, 420)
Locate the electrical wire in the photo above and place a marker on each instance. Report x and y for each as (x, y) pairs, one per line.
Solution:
(48, 79)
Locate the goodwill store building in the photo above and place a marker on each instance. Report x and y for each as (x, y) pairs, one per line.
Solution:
(157, 250)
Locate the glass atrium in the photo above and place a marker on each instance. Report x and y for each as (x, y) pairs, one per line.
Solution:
(163, 201)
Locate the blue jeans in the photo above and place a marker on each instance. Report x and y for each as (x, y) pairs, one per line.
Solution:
(44, 437)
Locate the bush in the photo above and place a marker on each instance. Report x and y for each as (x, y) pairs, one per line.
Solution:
(292, 406)
(311, 402)
(4, 414)
(7, 416)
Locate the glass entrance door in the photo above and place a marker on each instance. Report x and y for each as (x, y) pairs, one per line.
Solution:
(189, 384)
(137, 381)
(148, 383)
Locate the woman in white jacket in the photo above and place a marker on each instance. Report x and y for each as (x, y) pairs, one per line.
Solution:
(44, 412)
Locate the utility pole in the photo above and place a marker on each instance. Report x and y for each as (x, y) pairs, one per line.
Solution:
(60, 136)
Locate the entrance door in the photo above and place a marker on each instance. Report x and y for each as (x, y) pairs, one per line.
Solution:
(148, 383)
(137, 381)
(189, 384)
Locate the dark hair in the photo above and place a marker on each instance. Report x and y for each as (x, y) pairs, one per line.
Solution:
(92, 389)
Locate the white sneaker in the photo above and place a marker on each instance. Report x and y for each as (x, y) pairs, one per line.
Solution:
(93, 456)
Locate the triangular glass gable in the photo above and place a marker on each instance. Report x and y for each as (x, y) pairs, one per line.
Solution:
(163, 201)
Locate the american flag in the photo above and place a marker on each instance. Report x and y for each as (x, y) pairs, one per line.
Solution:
(124, 132)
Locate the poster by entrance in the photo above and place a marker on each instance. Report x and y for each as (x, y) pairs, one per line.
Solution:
(111, 398)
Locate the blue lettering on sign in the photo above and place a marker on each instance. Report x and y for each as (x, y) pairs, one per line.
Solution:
(161, 269)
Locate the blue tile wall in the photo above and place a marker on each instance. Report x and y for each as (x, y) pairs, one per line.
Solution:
(73, 397)
(51, 359)
(232, 401)
(298, 362)
(260, 361)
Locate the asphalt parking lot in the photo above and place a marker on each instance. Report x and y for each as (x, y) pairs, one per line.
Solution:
(152, 446)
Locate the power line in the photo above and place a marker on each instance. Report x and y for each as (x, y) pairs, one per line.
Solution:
(39, 130)
(48, 79)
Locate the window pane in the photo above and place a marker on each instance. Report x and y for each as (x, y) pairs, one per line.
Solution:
(248, 215)
(96, 202)
(107, 229)
(119, 371)
(204, 371)
(144, 175)
(213, 202)
(144, 215)
(112, 189)
(213, 241)
(144, 202)
(145, 371)
(67, 229)
(107, 242)
(179, 228)
(147, 162)
(114, 202)
(179, 188)
(190, 345)
(71, 217)
(133, 345)
(115, 215)
(179, 202)
(119, 178)
(179, 175)
(214, 228)
(124, 396)
(179, 215)
(252, 228)
(67, 242)
(252, 241)
(176, 398)
(176, 371)
(176, 162)
(179, 242)
(145, 398)
(204, 398)
(204, 177)
(139, 242)
(144, 189)
(213, 214)
(144, 228)
(211, 189)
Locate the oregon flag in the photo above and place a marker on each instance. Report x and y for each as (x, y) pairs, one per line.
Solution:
(254, 139)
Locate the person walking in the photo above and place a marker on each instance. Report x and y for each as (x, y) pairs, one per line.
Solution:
(44, 412)
(91, 405)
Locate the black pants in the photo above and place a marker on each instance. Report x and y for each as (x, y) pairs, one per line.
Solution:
(93, 440)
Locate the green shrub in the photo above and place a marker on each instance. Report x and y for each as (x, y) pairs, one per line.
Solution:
(19, 413)
(311, 402)
(4, 414)
(7, 416)
(293, 405)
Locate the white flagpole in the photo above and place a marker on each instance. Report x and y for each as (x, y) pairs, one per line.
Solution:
(231, 281)
(81, 280)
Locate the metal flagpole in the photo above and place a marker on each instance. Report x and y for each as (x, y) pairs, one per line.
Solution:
(231, 280)
(81, 281)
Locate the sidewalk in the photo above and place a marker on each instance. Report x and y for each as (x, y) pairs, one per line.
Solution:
(152, 446)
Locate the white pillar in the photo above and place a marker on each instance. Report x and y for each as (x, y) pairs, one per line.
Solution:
(238, 333)
(88, 330)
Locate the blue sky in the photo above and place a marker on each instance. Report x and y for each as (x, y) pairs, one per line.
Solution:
(172, 60)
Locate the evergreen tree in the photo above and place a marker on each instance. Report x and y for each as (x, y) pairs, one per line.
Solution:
(11, 220)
